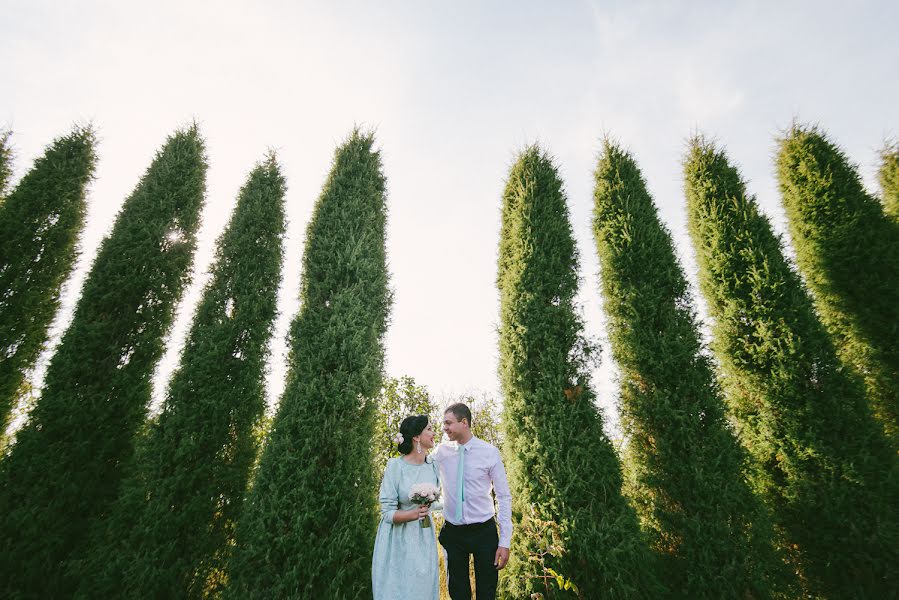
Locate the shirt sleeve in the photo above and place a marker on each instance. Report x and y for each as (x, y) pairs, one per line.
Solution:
(503, 499)
(438, 505)
(388, 496)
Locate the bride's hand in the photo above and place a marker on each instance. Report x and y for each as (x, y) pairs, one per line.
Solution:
(423, 510)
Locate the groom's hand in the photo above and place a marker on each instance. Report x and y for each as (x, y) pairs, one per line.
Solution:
(502, 557)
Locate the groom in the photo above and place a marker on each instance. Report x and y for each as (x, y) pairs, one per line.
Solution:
(469, 467)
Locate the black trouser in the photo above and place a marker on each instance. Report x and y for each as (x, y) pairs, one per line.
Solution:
(460, 541)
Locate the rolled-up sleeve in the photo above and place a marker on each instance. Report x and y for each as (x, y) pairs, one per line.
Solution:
(503, 500)
(388, 496)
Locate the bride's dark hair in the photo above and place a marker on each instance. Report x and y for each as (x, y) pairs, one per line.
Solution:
(409, 428)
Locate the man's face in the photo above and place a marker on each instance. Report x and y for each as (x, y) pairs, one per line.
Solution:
(453, 428)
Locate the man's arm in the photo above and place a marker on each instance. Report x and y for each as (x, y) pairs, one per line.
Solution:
(504, 516)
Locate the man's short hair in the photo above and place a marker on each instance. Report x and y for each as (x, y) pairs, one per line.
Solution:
(460, 411)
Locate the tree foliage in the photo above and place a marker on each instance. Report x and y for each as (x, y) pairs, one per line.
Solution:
(847, 249)
(824, 464)
(185, 491)
(889, 179)
(40, 223)
(400, 397)
(562, 467)
(309, 524)
(6, 156)
(65, 468)
(485, 416)
(686, 464)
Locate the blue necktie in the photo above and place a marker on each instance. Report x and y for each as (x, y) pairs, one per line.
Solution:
(460, 486)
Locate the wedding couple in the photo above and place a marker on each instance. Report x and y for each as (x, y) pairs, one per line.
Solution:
(404, 566)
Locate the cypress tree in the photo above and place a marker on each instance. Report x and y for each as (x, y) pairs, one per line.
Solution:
(569, 514)
(824, 464)
(40, 223)
(65, 468)
(889, 180)
(179, 502)
(848, 252)
(686, 464)
(309, 525)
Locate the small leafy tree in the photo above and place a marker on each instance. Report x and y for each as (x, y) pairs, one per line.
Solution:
(400, 397)
(185, 491)
(309, 525)
(848, 252)
(40, 223)
(65, 468)
(5, 163)
(485, 416)
(686, 464)
(824, 464)
(889, 179)
(562, 467)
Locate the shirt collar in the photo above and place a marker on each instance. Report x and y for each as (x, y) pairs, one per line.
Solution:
(467, 446)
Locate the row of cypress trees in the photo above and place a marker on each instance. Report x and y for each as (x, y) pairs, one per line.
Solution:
(686, 466)
(754, 474)
(193, 462)
(63, 473)
(761, 473)
(97, 502)
(821, 460)
(562, 467)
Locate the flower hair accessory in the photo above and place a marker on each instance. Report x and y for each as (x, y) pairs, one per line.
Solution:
(398, 439)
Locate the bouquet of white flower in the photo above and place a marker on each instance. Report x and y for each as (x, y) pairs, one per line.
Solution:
(424, 493)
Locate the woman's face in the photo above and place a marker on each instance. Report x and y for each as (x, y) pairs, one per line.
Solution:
(426, 437)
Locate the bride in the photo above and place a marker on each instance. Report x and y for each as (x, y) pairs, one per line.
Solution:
(404, 565)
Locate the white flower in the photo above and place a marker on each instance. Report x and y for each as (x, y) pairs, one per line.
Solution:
(423, 493)
(398, 439)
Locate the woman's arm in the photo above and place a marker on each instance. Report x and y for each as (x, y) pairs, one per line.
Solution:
(413, 514)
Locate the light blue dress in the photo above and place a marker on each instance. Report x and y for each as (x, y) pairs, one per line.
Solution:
(404, 565)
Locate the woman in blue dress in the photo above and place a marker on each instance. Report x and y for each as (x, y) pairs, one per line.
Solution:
(404, 565)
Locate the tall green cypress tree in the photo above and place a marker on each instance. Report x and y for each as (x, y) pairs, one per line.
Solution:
(309, 525)
(848, 251)
(40, 223)
(824, 464)
(686, 464)
(66, 465)
(889, 179)
(179, 503)
(563, 470)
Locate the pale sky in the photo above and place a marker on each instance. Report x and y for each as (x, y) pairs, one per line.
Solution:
(453, 90)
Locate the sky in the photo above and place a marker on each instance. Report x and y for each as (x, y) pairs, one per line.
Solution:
(452, 90)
